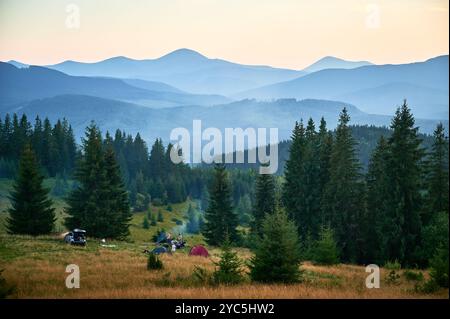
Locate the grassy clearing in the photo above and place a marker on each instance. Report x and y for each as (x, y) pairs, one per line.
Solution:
(36, 267)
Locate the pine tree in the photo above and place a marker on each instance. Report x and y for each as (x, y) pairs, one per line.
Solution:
(404, 200)
(293, 191)
(264, 201)
(119, 206)
(438, 177)
(342, 204)
(31, 212)
(277, 256)
(145, 223)
(325, 251)
(99, 204)
(160, 217)
(220, 218)
(375, 223)
(229, 267)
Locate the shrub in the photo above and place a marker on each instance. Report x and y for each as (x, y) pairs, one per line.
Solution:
(153, 222)
(325, 251)
(169, 208)
(160, 217)
(5, 289)
(393, 277)
(145, 223)
(229, 268)
(153, 262)
(413, 275)
(439, 267)
(277, 255)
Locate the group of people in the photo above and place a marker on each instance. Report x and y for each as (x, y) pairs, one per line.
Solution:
(166, 243)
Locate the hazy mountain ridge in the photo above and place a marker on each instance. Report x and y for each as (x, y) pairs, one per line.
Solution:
(152, 123)
(331, 62)
(27, 84)
(348, 84)
(185, 69)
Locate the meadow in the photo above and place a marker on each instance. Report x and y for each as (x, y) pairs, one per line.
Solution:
(35, 267)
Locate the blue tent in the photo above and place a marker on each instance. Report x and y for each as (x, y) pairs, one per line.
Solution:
(159, 250)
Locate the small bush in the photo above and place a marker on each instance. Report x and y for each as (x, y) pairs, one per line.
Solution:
(153, 220)
(154, 263)
(325, 251)
(145, 223)
(439, 267)
(160, 217)
(393, 277)
(201, 275)
(169, 208)
(413, 275)
(229, 268)
(5, 289)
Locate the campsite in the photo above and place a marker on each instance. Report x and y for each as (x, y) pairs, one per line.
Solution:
(36, 267)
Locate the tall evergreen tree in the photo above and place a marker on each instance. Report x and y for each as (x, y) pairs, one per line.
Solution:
(342, 205)
(264, 201)
(31, 212)
(375, 222)
(220, 218)
(438, 177)
(404, 201)
(99, 204)
(292, 193)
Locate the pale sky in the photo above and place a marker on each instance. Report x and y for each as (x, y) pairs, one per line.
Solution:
(281, 33)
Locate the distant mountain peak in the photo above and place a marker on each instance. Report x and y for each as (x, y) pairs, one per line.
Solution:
(184, 53)
(331, 62)
(18, 64)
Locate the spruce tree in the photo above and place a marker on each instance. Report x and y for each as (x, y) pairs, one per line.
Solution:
(342, 205)
(119, 207)
(277, 255)
(99, 204)
(438, 177)
(376, 225)
(145, 223)
(220, 218)
(292, 193)
(229, 267)
(404, 185)
(264, 201)
(325, 251)
(31, 212)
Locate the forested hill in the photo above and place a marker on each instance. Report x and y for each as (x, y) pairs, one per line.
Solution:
(366, 137)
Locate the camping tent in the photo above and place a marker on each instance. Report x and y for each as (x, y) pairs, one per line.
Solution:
(159, 250)
(199, 250)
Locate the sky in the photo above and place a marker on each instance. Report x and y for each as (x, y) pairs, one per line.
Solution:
(280, 33)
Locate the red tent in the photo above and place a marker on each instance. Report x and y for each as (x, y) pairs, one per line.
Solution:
(199, 250)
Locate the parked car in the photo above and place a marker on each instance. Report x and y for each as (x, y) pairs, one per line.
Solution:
(76, 237)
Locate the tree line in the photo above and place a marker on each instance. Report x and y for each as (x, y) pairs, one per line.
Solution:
(398, 210)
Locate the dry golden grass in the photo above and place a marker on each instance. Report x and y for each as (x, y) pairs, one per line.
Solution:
(37, 268)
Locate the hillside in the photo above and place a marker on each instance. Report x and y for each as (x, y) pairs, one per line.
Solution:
(26, 84)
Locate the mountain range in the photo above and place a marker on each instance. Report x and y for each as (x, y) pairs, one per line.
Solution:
(374, 89)
(154, 96)
(185, 69)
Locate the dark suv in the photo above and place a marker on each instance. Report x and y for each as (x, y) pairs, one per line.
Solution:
(76, 237)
